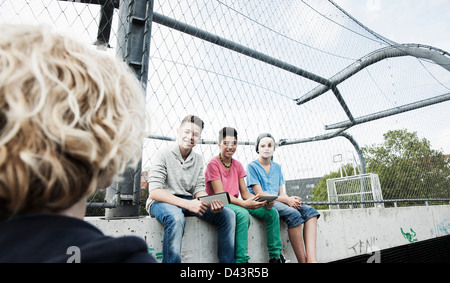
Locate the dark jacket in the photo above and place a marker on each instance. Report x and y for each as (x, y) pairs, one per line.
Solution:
(55, 238)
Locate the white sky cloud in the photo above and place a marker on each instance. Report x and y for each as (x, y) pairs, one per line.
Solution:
(405, 21)
(374, 5)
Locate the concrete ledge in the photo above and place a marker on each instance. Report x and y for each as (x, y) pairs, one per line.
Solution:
(341, 233)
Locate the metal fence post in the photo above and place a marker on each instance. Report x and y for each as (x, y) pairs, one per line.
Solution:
(133, 46)
(361, 160)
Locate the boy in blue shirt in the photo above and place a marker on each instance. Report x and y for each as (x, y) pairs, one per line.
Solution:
(264, 177)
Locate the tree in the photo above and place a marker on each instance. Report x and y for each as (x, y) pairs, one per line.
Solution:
(407, 167)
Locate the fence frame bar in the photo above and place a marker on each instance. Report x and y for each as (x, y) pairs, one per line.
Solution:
(133, 39)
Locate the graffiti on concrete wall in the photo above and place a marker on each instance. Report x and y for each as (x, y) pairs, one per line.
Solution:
(158, 256)
(411, 237)
(442, 229)
(367, 246)
(364, 247)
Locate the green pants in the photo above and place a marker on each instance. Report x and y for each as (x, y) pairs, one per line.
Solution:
(270, 216)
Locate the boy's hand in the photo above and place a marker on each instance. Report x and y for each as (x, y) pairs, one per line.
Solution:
(216, 206)
(295, 202)
(198, 207)
(252, 203)
(268, 205)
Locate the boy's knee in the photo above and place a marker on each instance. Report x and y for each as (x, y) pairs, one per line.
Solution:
(272, 214)
(176, 219)
(229, 216)
(243, 217)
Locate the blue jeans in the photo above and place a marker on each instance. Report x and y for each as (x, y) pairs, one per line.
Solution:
(173, 219)
(294, 217)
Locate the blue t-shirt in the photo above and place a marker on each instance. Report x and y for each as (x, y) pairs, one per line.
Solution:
(270, 183)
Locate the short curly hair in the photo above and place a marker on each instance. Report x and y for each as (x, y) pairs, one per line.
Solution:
(71, 118)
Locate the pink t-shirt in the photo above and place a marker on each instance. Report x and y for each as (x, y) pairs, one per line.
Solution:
(230, 180)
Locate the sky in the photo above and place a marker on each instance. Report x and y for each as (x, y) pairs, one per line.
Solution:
(405, 21)
(408, 21)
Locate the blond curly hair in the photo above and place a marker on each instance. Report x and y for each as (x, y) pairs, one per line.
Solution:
(70, 119)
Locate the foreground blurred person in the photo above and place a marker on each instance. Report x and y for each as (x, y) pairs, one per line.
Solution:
(70, 120)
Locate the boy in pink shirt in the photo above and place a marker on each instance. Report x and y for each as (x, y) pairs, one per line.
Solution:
(225, 174)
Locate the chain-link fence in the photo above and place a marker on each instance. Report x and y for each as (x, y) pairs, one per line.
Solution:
(340, 99)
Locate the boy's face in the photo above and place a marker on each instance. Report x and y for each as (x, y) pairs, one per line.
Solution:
(228, 146)
(188, 135)
(266, 147)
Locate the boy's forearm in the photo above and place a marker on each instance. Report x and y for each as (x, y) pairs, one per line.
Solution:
(237, 201)
(166, 197)
(200, 193)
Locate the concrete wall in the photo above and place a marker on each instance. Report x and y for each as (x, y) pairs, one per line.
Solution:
(341, 233)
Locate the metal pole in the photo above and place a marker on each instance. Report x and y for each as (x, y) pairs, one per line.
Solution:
(106, 15)
(362, 161)
(358, 150)
(212, 38)
(391, 112)
(394, 201)
(104, 28)
(436, 55)
(133, 46)
(344, 105)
